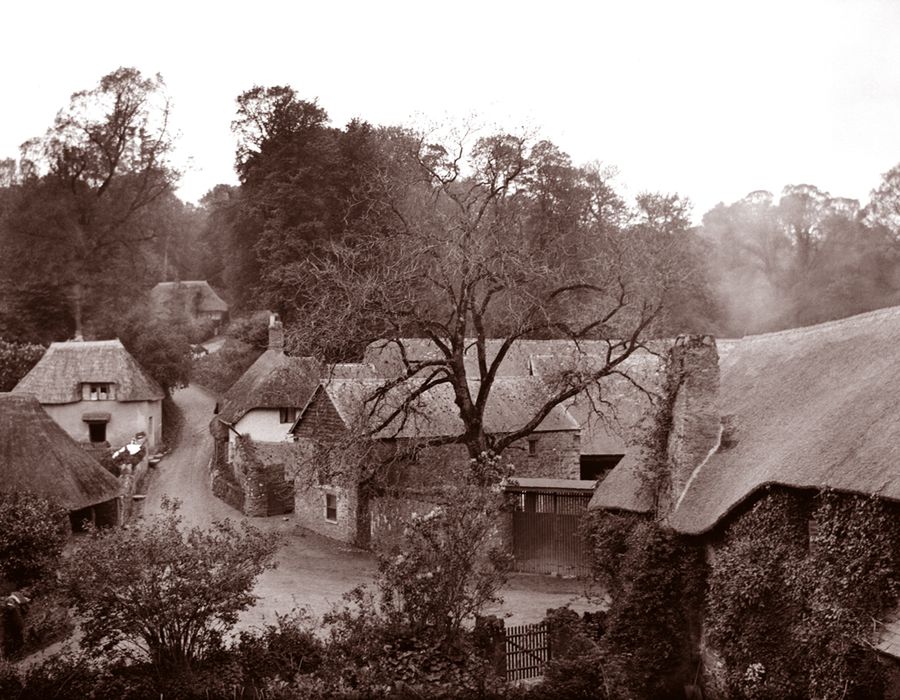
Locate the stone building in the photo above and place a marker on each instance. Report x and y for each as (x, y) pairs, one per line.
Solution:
(192, 300)
(342, 414)
(255, 459)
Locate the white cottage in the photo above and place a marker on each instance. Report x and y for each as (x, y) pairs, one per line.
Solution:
(97, 392)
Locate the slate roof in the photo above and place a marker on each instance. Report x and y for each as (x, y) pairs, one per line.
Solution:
(59, 374)
(811, 408)
(609, 433)
(37, 455)
(192, 295)
(511, 404)
(275, 380)
(386, 358)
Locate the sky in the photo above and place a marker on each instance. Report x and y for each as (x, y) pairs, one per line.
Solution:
(711, 100)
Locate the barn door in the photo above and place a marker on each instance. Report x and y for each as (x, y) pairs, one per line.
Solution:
(546, 537)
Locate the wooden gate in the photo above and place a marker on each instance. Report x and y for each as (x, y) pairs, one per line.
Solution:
(546, 533)
(527, 651)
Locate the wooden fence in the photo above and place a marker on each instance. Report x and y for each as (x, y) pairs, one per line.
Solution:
(527, 651)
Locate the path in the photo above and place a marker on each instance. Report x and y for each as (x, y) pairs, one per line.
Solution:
(313, 571)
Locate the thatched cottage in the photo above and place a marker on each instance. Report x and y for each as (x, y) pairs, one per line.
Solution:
(36, 455)
(799, 412)
(258, 412)
(97, 392)
(194, 300)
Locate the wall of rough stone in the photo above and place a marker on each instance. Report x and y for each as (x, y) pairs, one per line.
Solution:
(696, 417)
(309, 511)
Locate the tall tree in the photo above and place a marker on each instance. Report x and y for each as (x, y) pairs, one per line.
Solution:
(78, 225)
(457, 266)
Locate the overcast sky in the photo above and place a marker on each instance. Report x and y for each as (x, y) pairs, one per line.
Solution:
(708, 99)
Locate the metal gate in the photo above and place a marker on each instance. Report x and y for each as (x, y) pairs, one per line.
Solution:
(546, 534)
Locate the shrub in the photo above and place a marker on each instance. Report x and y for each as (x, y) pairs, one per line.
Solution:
(156, 593)
(217, 371)
(32, 536)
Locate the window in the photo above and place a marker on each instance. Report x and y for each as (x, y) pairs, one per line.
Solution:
(287, 415)
(532, 447)
(99, 392)
(331, 507)
(97, 431)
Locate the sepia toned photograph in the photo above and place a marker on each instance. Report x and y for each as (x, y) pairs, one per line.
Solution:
(490, 350)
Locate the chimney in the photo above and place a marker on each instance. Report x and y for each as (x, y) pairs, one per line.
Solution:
(696, 423)
(276, 333)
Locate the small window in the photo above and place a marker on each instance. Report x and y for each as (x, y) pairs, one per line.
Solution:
(97, 431)
(99, 392)
(532, 447)
(287, 415)
(331, 507)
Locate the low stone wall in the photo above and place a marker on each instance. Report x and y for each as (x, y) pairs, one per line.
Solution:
(227, 490)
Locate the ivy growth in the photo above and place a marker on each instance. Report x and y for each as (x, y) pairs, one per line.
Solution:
(794, 592)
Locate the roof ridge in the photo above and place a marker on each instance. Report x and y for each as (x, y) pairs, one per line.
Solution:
(846, 322)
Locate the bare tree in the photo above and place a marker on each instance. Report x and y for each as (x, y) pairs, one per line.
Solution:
(453, 260)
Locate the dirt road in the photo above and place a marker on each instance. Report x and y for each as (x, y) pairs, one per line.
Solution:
(313, 571)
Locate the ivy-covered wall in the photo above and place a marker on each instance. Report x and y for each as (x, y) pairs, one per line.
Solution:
(783, 603)
(796, 588)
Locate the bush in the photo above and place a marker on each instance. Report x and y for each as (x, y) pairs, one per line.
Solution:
(163, 595)
(33, 532)
(217, 371)
(172, 424)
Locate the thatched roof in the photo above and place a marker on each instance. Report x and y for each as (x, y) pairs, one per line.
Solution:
(808, 408)
(192, 296)
(37, 455)
(813, 407)
(275, 380)
(511, 404)
(59, 374)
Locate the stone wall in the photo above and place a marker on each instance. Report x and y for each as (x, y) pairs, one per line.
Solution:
(309, 511)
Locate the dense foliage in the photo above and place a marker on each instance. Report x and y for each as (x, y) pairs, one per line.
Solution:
(656, 582)
(33, 532)
(161, 593)
(791, 606)
(162, 348)
(15, 361)
(217, 371)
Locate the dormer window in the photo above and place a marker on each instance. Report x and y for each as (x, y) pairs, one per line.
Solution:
(98, 391)
(287, 415)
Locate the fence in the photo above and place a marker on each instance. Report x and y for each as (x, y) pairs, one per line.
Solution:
(527, 651)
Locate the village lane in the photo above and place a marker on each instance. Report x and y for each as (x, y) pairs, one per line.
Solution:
(184, 473)
(313, 572)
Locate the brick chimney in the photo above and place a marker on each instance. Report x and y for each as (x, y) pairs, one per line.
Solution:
(696, 428)
(276, 333)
